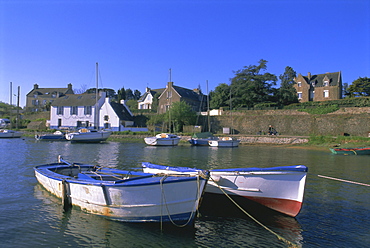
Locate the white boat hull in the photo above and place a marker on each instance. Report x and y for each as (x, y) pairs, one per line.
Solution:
(88, 136)
(9, 134)
(224, 143)
(281, 190)
(149, 199)
(163, 139)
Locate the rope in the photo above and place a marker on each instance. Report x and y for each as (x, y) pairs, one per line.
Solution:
(165, 203)
(291, 244)
(342, 180)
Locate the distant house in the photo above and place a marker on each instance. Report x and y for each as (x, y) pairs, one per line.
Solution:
(38, 98)
(320, 87)
(146, 100)
(173, 93)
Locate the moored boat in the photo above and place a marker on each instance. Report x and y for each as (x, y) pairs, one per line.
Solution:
(278, 188)
(56, 136)
(163, 139)
(128, 196)
(202, 139)
(224, 142)
(7, 133)
(351, 151)
(85, 135)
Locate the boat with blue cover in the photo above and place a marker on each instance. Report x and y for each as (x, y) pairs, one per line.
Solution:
(129, 196)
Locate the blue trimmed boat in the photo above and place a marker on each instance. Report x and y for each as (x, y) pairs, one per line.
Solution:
(278, 188)
(127, 196)
(351, 151)
(56, 136)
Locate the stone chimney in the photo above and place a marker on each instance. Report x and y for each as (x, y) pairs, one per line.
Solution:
(35, 86)
(309, 75)
(69, 86)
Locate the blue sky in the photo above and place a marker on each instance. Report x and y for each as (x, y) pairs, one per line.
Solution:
(136, 42)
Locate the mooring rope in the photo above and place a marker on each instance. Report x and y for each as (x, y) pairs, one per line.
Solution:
(343, 180)
(291, 244)
(168, 211)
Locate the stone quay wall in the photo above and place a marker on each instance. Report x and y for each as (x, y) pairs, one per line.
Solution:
(346, 121)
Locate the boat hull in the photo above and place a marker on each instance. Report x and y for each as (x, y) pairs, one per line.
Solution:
(143, 198)
(224, 143)
(51, 137)
(351, 151)
(88, 137)
(280, 188)
(10, 134)
(154, 141)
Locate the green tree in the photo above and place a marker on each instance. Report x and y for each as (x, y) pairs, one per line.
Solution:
(220, 97)
(250, 86)
(129, 94)
(121, 94)
(359, 87)
(180, 114)
(137, 95)
(287, 94)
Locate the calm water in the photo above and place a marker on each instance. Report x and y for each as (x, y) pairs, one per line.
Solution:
(334, 214)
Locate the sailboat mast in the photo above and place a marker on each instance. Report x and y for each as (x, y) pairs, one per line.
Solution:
(208, 120)
(96, 98)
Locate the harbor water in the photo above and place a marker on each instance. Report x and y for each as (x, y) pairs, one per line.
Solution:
(334, 213)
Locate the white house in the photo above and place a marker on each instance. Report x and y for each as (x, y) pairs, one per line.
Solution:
(75, 110)
(78, 110)
(117, 117)
(146, 100)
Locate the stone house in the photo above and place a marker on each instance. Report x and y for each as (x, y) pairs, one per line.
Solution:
(320, 87)
(38, 98)
(172, 93)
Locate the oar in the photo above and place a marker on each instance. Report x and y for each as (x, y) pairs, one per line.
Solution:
(61, 160)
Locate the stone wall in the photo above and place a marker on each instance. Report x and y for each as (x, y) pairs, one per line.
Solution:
(352, 121)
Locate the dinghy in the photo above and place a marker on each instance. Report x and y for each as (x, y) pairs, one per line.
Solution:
(278, 188)
(122, 195)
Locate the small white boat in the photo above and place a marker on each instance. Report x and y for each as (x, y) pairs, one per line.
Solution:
(6, 133)
(128, 196)
(224, 142)
(85, 135)
(277, 188)
(163, 139)
(56, 136)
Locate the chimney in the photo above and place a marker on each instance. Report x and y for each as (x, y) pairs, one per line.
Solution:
(35, 86)
(69, 86)
(309, 75)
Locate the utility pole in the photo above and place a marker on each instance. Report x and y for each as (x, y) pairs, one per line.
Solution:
(17, 120)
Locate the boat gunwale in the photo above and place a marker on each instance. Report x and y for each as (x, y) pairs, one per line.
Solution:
(46, 171)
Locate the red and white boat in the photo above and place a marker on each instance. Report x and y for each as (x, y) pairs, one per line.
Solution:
(278, 188)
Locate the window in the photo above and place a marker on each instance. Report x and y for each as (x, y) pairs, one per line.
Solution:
(106, 117)
(60, 110)
(299, 84)
(326, 93)
(299, 95)
(74, 110)
(326, 83)
(87, 110)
